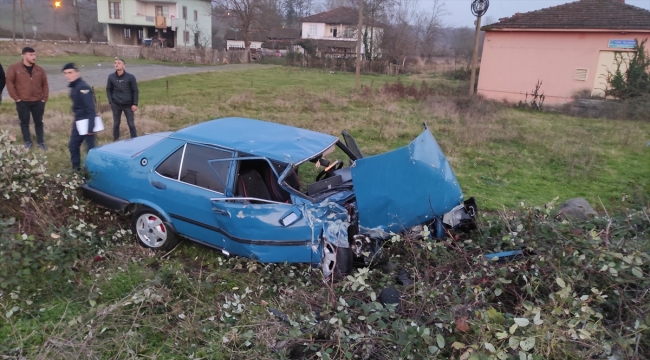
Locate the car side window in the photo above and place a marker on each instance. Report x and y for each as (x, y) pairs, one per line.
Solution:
(197, 170)
(171, 166)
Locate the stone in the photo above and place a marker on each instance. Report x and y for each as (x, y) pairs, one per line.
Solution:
(576, 209)
(389, 295)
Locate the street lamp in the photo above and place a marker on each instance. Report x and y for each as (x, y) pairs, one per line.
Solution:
(57, 4)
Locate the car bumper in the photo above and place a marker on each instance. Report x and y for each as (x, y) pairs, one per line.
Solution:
(104, 199)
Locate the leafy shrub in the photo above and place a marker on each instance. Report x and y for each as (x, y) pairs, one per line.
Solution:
(46, 229)
(401, 91)
(459, 74)
(577, 292)
(635, 80)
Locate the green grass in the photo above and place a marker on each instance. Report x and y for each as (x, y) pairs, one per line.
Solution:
(139, 303)
(503, 156)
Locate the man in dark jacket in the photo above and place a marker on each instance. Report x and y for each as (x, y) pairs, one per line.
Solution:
(122, 94)
(83, 107)
(2, 82)
(27, 85)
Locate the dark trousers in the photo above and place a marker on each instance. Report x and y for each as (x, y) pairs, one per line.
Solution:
(75, 146)
(36, 109)
(117, 117)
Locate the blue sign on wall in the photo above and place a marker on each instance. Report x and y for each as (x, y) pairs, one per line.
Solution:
(622, 44)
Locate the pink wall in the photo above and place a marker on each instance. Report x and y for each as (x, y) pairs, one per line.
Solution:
(513, 61)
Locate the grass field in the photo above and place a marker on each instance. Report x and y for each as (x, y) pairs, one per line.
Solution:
(114, 299)
(501, 155)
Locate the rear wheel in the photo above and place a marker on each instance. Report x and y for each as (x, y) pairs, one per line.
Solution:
(150, 230)
(336, 261)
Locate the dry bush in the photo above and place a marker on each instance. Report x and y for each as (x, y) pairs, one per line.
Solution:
(239, 100)
(473, 119)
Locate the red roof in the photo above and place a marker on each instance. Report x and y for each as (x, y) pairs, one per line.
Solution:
(583, 14)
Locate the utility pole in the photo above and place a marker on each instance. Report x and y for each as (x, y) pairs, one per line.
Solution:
(359, 29)
(479, 7)
(22, 16)
(13, 29)
(472, 78)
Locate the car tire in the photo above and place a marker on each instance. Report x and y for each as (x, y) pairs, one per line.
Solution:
(336, 261)
(151, 231)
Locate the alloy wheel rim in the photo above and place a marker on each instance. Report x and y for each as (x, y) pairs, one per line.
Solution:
(151, 230)
(328, 262)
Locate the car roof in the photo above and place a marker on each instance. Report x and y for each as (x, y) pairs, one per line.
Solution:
(279, 142)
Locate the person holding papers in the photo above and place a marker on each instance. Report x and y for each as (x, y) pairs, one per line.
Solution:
(83, 107)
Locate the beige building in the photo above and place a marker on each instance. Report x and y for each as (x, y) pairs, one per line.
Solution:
(334, 32)
(168, 23)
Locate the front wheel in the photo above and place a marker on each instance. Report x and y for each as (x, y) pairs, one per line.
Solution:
(336, 261)
(150, 230)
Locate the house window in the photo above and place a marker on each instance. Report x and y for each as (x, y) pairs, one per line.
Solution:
(349, 32)
(581, 74)
(313, 30)
(162, 11)
(184, 12)
(127, 33)
(140, 34)
(196, 15)
(333, 31)
(186, 36)
(115, 10)
(197, 36)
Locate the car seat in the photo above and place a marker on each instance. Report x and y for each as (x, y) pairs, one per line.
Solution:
(251, 184)
(276, 191)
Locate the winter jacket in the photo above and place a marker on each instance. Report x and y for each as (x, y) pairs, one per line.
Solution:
(83, 102)
(2, 80)
(22, 86)
(122, 90)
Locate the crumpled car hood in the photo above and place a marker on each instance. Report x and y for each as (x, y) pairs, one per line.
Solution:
(405, 187)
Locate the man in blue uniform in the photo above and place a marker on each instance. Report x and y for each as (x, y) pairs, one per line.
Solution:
(83, 107)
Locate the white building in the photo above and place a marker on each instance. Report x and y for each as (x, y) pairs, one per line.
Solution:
(170, 23)
(335, 32)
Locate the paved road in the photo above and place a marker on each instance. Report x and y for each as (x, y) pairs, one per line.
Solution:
(97, 75)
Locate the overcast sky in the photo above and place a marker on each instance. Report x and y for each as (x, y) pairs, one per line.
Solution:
(461, 15)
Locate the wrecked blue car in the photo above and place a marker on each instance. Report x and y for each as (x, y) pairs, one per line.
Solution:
(246, 187)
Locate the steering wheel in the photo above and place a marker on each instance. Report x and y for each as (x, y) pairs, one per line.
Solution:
(325, 173)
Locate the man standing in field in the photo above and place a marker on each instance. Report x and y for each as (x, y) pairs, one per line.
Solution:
(83, 107)
(122, 94)
(27, 85)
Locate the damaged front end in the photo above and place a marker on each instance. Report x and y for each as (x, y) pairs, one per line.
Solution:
(405, 189)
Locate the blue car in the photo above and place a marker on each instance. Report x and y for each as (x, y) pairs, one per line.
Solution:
(246, 187)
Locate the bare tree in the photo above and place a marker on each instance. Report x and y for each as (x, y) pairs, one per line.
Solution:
(84, 17)
(22, 19)
(399, 41)
(428, 29)
(241, 14)
(294, 10)
(270, 14)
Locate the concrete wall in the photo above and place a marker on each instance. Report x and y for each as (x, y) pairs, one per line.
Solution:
(513, 61)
